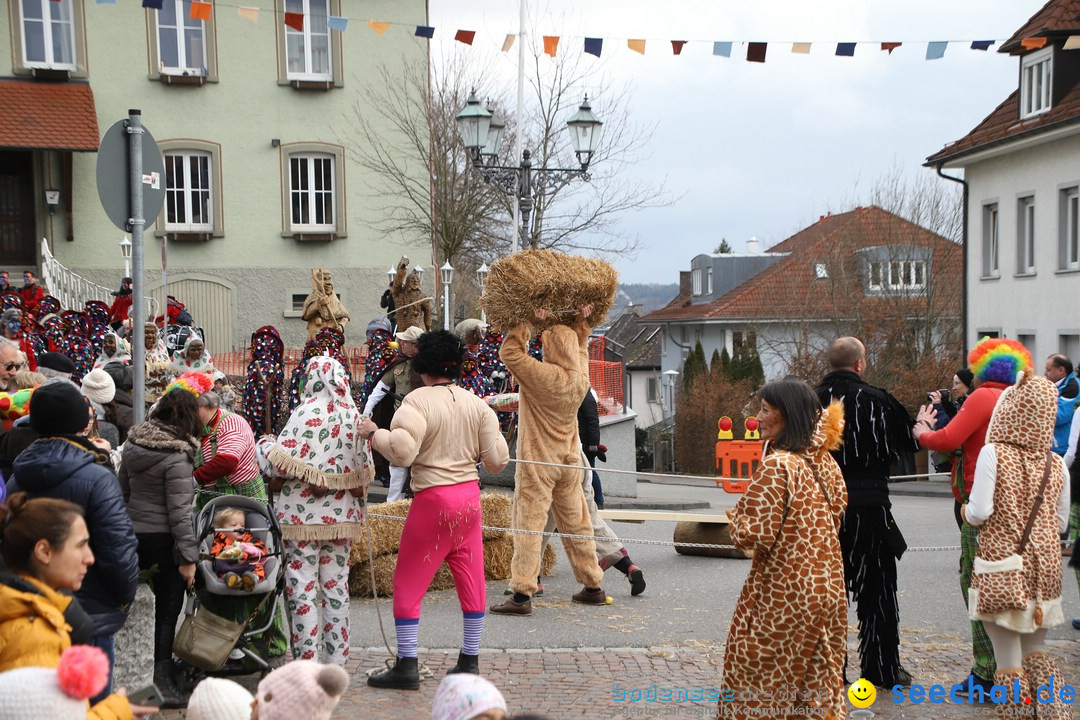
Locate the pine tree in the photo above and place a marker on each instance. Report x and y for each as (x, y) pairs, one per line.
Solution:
(694, 366)
(725, 364)
(716, 364)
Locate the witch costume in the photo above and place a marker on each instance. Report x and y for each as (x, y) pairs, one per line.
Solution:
(265, 383)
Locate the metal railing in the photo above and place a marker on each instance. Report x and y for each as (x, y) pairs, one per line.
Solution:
(72, 289)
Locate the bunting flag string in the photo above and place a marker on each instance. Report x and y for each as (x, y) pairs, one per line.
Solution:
(756, 51)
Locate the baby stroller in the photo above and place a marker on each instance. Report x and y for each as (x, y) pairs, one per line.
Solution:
(261, 523)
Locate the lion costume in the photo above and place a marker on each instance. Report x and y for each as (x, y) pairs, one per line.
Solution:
(550, 394)
(413, 309)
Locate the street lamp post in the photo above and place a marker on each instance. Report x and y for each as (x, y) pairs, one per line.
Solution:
(446, 274)
(481, 278)
(671, 376)
(125, 252)
(481, 131)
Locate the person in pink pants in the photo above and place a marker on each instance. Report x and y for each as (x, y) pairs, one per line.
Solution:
(439, 431)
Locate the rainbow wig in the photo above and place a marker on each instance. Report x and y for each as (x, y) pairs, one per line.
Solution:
(999, 360)
(195, 383)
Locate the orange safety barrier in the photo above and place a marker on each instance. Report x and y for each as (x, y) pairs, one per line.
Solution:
(234, 364)
(737, 458)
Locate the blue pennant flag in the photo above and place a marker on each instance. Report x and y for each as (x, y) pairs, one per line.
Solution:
(845, 49)
(153, 4)
(594, 46)
(721, 48)
(982, 44)
(936, 50)
(425, 31)
(337, 23)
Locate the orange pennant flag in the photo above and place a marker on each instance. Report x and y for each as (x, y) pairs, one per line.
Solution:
(637, 46)
(465, 36)
(890, 46)
(677, 46)
(508, 42)
(200, 11)
(1033, 43)
(551, 44)
(379, 28)
(295, 21)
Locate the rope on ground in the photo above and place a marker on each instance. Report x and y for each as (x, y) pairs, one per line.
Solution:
(639, 541)
(712, 478)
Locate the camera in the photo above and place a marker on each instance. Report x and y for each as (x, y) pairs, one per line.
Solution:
(944, 395)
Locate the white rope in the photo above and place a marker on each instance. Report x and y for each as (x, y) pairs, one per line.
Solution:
(638, 541)
(401, 307)
(713, 478)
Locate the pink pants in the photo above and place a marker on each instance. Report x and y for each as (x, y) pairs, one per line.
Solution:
(443, 524)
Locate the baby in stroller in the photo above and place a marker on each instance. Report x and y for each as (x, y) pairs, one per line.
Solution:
(239, 559)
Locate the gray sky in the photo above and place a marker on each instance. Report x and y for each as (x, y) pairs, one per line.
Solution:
(764, 149)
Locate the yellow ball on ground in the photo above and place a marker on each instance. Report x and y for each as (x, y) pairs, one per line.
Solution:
(607, 600)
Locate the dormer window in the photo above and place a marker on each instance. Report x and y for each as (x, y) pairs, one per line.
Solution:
(1035, 83)
(695, 279)
(708, 280)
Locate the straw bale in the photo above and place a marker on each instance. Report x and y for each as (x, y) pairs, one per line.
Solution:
(496, 511)
(534, 279)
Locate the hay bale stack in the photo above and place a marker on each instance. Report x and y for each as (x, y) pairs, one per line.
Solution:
(706, 534)
(496, 511)
(532, 279)
(385, 534)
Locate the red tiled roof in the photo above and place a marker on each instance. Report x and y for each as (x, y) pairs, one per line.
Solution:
(1058, 18)
(789, 289)
(56, 116)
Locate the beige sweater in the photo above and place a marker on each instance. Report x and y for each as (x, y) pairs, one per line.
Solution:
(442, 432)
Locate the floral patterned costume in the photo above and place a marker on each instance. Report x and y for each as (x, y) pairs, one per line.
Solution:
(789, 630)
(322, 469)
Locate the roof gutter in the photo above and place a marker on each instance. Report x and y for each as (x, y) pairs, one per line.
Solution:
(964, 245)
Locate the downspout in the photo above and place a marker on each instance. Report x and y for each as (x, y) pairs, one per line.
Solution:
(964, 246)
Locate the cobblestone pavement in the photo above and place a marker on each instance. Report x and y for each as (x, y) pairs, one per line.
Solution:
(566, 683)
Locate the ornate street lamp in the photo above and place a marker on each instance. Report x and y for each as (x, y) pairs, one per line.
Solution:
(481, 279)
(446, 274)
(125, 252)
(584, 133)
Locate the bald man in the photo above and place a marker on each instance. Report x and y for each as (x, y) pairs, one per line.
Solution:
(876, 429)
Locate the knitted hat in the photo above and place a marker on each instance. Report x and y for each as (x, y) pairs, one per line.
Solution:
(966, 377)
(57, 362)
(217, 699)
(464, 696)
(301, 689)
(99, 387)
(60, 694)
(58, 408)
(121, 375)
(195, 383)
(999, 360)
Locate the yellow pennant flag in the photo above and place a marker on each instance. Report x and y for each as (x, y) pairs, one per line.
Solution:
(1073, 43)
(379, 28)
(637, 46)
(248, 13)
(551, 44)
(801, 48)
(508, 43)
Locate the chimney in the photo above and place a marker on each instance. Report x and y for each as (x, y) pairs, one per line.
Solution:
(684, 282)
(753, 246)
(638, 310)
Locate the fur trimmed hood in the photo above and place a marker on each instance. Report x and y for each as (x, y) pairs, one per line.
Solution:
(155, 436)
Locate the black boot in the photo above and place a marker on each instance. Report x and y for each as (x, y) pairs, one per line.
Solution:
(466, 664)
(403, 676)
(165, 677)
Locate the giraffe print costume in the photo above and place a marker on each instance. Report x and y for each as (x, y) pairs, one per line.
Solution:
(788, 637)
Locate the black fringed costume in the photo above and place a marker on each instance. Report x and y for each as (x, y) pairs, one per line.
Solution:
(877, 428)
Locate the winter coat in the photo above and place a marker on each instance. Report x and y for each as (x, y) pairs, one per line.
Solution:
(67, 467)
(33, 633)
(158, 486)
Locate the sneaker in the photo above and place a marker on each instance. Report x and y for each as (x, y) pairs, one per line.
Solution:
(248, 581)
(1076, 623)
(965, 686)
(233, 580)
(591, 597)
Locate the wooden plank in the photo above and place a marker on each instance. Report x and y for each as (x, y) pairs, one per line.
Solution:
(662, 516)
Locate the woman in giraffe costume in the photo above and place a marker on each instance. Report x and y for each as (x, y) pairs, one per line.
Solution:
(789, 631)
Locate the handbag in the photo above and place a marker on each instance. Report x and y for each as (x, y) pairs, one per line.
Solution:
(1000, 583)
(205, 639)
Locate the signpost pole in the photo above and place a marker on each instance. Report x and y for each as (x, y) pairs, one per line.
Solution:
(138, 274)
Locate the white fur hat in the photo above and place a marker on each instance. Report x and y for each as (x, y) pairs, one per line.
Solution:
(217, 699)
(54, 693)
(99, 387)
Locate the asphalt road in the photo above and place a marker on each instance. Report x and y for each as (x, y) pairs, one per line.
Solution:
(690, 600)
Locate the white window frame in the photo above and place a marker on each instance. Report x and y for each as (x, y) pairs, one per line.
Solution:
(308, 74)
(821, 271)
(652, 390)
(1025, 235)
(309, 195)
(188, 190)
(695, 282)
(991, 240)
(47, 22)
(178, 35)
(708, 280)
(875, 274)
(1070, 229)
(1036, 83)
